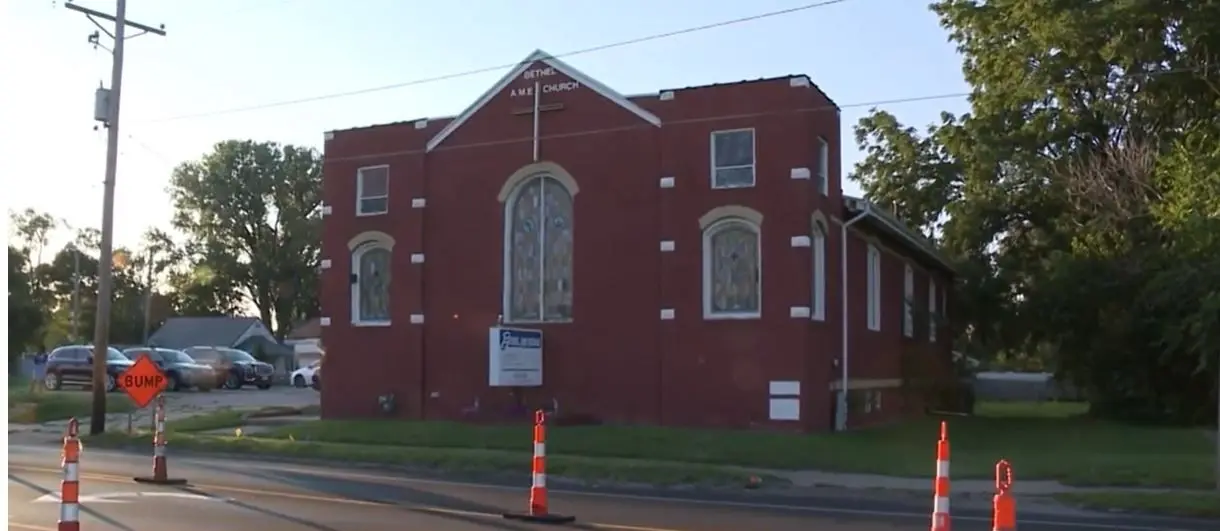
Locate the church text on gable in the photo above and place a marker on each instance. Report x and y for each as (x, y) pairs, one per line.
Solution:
(538, 75)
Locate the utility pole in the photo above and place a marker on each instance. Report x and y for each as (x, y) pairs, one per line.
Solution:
(101, 332)
(75, 294)
(148, 292)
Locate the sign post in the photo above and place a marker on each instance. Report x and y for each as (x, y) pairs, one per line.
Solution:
(143, 381)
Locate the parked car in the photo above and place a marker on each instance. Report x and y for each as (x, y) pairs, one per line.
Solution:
(181, 370)
(73, 365)
(233, 368)
(305, 375)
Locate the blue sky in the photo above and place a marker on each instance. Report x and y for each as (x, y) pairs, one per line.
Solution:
(225, 54)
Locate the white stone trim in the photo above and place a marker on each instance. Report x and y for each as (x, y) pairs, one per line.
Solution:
(799, 81)
(667, 95)
(417, 258)
(421, 124)
(667, 246)
(667, 314)
(667, 182)
(800, 241)
(325, 263)
(801, 312)
(324, 321)
(417, 318)
(418, 202)
(800, 173)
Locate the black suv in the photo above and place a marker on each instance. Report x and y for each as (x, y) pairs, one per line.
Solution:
(182, 371)
(73, 365)
(233, 368)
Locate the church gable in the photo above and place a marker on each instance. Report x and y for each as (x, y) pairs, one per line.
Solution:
(546, 74)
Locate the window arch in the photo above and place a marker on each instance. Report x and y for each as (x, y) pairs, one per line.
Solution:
(538, 249)
(370, 279)
(732, 268)
(818, 246)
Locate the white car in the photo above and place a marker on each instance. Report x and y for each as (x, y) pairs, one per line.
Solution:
(303, 377)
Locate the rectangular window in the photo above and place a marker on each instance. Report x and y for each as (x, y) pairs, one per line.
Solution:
(874, 288)
(818, 312)
(823, 167)
(372, 190)
(733, 158)
(932, 317)
(908, 301)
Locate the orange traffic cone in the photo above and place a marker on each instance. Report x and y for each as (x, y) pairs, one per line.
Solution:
(1004, 506)
(539, 509)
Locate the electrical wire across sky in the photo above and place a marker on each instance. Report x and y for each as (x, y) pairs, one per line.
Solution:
(456, 75)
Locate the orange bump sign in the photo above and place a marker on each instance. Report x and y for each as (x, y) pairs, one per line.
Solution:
(143, 381)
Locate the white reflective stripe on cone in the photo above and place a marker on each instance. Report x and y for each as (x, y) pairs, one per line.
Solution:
(539, 480)
(941, 505)
(69, 512)
(942, 469)
(539, 449)
(71, 471)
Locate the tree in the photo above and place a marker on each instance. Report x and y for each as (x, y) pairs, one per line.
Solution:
(34, 229)
(252, 208)
(25, 315)
(1056, 194)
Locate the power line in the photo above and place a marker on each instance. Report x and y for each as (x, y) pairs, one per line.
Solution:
(423, 81)
(669, 123)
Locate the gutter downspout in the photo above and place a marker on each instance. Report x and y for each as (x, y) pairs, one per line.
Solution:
(841, 406)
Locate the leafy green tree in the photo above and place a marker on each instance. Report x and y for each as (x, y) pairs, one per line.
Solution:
(252, 207)
(25, 314)
(1063, 193)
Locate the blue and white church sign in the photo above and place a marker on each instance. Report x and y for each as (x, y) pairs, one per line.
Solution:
(515, 357)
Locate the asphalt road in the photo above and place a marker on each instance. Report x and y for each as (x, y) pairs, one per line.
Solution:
(239, 494)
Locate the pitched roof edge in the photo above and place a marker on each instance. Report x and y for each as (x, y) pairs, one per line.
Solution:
(539, 55)
(898, 228)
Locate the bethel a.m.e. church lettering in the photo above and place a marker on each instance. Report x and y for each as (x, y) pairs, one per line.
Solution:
(539, 76)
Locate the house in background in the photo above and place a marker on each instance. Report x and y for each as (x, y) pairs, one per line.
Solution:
(244, 333)
(306, 342)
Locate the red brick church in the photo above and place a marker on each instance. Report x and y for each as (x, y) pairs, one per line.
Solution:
(674, 258)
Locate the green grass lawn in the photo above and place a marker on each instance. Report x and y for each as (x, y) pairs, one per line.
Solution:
(41, 405)
(1046, 441)
(1042, 441)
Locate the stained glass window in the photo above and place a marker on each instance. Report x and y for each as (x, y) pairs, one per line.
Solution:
(732, 276)
(372, 284)
(540, 252)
